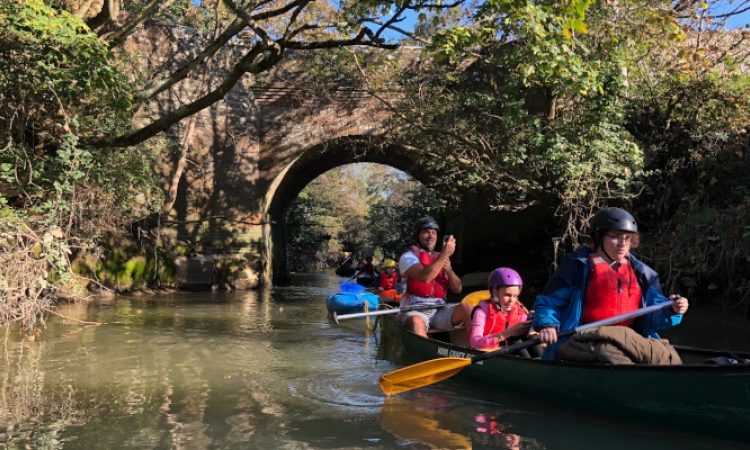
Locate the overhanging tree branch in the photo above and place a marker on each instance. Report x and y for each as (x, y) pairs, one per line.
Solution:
(151, 8)
(186, 70)
(359, 39)
(247, 64)
(244, 20)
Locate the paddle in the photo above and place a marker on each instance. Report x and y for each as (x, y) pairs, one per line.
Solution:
(379, 312)
(473, 298)
(429, 372)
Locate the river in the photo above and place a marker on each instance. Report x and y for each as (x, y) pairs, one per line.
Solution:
(268, 370)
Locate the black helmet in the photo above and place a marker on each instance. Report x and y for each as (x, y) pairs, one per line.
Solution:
(612, 219)
(425, 223)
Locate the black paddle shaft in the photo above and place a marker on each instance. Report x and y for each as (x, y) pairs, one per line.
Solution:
(515, 347)
(609, 321)
(418, 307)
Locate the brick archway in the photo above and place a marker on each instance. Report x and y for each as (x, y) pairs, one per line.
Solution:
(308, 166)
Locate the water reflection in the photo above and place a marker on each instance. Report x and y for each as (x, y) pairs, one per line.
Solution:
(254, 370)
(444, 419)
(493, 433)
(186, 371)
(422, 424)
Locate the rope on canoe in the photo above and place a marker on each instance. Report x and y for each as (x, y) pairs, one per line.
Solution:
(377, 318)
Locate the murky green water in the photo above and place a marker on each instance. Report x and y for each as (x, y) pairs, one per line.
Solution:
(265, 370)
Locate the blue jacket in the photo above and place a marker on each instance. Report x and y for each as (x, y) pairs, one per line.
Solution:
(561, 302)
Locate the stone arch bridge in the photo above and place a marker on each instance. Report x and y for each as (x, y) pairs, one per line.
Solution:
(253, 152)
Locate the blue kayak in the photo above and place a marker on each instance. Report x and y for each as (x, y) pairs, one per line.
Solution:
(345, 303)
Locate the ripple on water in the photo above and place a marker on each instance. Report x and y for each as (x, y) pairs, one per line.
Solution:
(340, 389)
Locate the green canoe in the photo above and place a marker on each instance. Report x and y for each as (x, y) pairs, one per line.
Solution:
(706, 398)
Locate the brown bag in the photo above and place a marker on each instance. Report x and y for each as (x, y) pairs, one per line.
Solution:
(617, 345)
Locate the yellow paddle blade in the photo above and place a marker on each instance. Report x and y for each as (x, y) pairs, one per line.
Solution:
(476, 297)
(421, 374)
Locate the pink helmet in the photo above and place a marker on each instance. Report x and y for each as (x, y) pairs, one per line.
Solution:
(504, 276)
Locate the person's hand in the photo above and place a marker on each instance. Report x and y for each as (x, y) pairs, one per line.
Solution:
(680, 305)
(380, 288)
(518, 329)
(449, 245)
(548, 335)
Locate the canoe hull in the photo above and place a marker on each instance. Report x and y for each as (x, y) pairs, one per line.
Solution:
(345, 271)
(704, 398)
(341, 303)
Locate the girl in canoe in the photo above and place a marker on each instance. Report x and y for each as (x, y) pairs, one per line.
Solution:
(502, 319)
(602, 281)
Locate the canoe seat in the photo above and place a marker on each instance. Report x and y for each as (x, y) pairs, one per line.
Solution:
(438, 330)
(457, 336)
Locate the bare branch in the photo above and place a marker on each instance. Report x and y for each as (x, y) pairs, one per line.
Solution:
(464, 163)
(359, 39)
(736, 12)
(293, 19)
(247, 64)
(408, 34)
(441, 5)
(186, 70)
(249, 21)
(81, 12)
(119, 36)
(396, 18)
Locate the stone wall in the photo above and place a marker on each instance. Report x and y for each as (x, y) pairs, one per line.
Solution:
(244, 145)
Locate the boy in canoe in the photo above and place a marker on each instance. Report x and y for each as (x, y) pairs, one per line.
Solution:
(502, 319)
(388, 280)
(428, 277)
(602, 281)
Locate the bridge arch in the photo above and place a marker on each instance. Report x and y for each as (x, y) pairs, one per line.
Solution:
(306, 167)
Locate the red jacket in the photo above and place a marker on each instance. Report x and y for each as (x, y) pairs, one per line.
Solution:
(437, 288)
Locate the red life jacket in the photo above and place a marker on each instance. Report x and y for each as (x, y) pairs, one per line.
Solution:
(389, 281)
(610, 293)
(436, 288)
(499, 320)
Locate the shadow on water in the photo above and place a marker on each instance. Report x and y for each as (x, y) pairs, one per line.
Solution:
(260, 370)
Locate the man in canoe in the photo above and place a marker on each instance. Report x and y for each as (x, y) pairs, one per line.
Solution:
(428, 277)
(602, 281)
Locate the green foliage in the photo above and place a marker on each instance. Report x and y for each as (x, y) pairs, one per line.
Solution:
(58, 84)
(694, 119)
(392, 217)
(535, 113)
(307, 221)
(588, 104)
(707, 252)
(124, 270)
(57, 77)
(364, 209)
